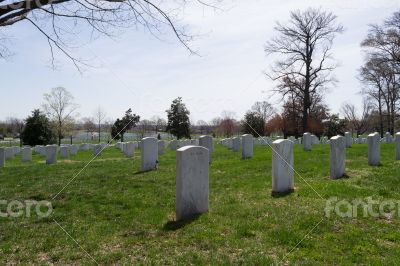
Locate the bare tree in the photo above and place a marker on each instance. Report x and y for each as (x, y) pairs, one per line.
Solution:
(99, 115)
(214, 124)
(226, 114)
(382, 46)
(159, 123)
(60, 106)
(304, 45)
(59, 21)
(15, 126)
(264, 109)
(144, 126)
(202, 125)
(88, 126)
(357, 122)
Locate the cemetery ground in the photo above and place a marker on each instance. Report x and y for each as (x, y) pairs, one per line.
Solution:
(120, 215)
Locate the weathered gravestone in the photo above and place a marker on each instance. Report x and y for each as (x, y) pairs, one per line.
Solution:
(307, 141)
(337, 156)
(192, 187)
(248, 146)
(207, 142)
(374, 149)
(149, 154)
(236, 144)
(26, 154)
(282, 166)
(51, 154)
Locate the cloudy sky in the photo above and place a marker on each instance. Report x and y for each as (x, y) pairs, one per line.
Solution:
(142, 72)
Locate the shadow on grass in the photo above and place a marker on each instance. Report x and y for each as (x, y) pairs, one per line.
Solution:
(175, 225)
(281, 194)
(344, 176)
(143, 172)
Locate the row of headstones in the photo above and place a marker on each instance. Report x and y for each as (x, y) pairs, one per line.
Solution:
(338, 147)
(246, 142)
(151, 148)
(176, 144)
(192, 184)
(308, 140)
(48, 151)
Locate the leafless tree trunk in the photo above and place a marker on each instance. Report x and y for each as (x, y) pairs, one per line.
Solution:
(99, 115)
(305, 47)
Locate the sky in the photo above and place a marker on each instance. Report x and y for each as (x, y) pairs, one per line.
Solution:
(136, 70)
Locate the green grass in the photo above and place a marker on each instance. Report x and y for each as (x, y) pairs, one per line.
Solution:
(122, 216)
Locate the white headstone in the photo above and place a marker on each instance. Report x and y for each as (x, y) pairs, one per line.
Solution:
(129, 149)
(337, 156)
(9, 153)
(248, 145)
(348, 138)
(307, 141)
(236, 144)
(51, 154)
(26, 154)
(282, 166)
(97, 149)
(161, 147)
(173, 144)
(314, 139)
(73, 149)
(149, 154)
(192, 166)
(398, 146)
(229, 143)
(207, 142)
(374, 149)
(64, 152)
(84, 147)
(388, 137)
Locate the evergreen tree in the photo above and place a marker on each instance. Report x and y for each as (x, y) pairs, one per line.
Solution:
(178, 119)
(122, 125)
(254, 124)
(37, 130)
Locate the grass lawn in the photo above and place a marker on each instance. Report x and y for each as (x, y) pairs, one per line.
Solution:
(119, 215)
